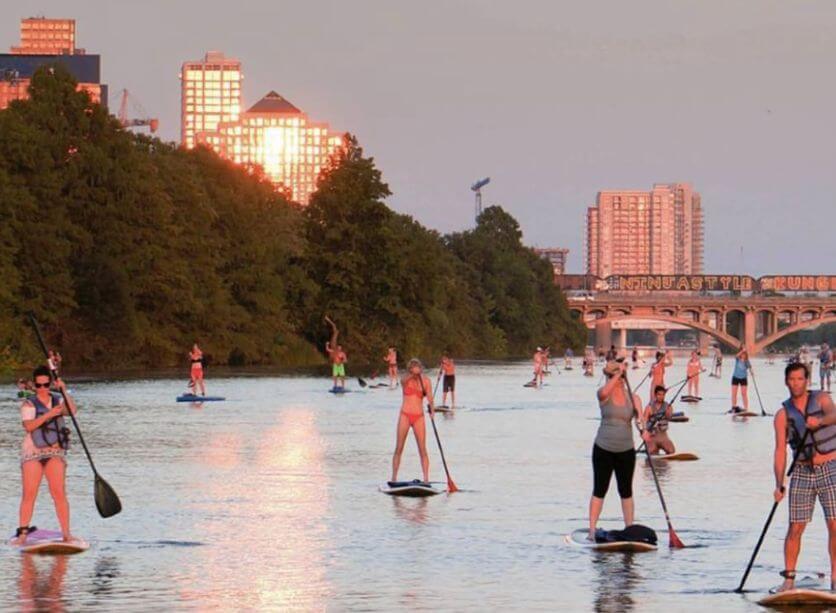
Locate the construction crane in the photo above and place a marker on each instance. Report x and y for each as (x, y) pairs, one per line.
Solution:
(143, 120)
(477, 188)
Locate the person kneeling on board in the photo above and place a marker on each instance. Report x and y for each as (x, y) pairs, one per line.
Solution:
(415, 386)
(656, 416)
(613, 450)
(44, 451)
(814, 474)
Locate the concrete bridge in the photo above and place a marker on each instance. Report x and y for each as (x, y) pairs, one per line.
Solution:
(753, 321)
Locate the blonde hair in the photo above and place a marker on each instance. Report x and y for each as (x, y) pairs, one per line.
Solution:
(415, 362)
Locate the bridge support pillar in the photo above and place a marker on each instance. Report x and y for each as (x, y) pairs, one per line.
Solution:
(704, 342)
(660, 337)
(750, 325)
(622, 339)
(603, 335)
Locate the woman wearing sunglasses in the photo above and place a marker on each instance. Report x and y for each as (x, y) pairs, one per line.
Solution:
(44, 450)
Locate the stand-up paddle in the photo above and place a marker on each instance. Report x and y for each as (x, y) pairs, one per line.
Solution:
(650, 370)
(107, 502)
(674, 541)
(769, 520)
(451, 487)
(362, 381)
(757, 392)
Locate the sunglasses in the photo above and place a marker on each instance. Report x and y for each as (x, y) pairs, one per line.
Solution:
(47, 384)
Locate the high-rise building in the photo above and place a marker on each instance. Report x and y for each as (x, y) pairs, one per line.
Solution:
(42, 36)
(639, 232)
(272, 134)
(48, 41)
(280, 138)
(210, 94)
(556, 257)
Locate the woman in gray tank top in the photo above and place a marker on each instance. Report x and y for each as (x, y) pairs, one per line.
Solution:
(613, 450)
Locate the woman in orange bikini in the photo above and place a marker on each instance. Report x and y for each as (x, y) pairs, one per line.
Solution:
(196, 357)
(415, 386)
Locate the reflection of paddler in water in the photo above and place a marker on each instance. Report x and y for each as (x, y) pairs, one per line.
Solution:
(656, 416)
(337, 356)
(413, 510)
(806, 415)
(44, 451)
(415, 386)
(616, 579)
(42, 591)
(196, 358)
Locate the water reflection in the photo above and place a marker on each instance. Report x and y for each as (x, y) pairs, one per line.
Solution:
(414, 510)
(106, 574)
(268, 544)
(616, 579)
(41, 583)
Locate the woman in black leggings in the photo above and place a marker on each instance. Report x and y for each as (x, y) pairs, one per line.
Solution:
(613, 450)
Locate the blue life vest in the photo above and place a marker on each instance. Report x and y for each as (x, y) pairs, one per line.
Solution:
(658, 420)
(823, 440)
(52, 432)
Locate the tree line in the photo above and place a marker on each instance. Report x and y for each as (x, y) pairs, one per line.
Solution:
(129, 249)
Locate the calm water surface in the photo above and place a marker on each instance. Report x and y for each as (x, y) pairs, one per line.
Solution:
(270, 501)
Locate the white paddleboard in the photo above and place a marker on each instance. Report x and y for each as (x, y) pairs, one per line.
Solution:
(50, 542)
(799, 596)
(578, 538)
(411, 489)
(674, 457)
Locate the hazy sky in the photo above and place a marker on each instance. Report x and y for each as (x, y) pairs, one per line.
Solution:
(553, 100)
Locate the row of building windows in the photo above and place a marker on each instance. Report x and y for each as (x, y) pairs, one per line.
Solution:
(195, 74)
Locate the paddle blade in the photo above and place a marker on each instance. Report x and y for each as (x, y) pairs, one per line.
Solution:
(674, 542)
(362, 382)
(107, 502)
(451, 487)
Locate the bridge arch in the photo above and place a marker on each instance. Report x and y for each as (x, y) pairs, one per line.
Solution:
(723, 337)
(799, 325)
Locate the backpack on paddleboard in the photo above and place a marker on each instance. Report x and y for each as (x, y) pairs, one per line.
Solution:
(635, 534)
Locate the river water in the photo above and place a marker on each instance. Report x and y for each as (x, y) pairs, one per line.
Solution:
(269, 501)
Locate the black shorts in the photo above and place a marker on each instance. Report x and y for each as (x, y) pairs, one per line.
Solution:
(604, 463)
(738, 381)
(449, 384)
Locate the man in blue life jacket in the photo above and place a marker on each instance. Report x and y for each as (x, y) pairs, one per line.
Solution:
(807, 422)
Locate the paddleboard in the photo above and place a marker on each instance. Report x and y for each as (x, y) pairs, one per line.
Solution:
(194, 398)
(530, 384)
(681, 457)
(338, 390)
(444, 409)
(412, 489)
(50, 542)
(799, 596)
(578, 539)
(739, 412)
(679, 418)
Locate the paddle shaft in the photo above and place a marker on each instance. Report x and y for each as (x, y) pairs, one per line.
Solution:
(671, 531)
(769, 521)
(54, 372)
(757, 392)
(650, 370)
(451, 487)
